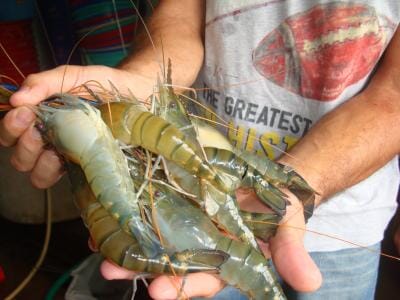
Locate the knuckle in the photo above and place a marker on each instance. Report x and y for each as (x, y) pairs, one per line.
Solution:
(47, 170)
(52, 159)
(5, 143)
(43, 180)
(5, 139)
(7, 122)
(39, 183)
(32, 79)
(28, 145)
(80, 74)
(19, 165)
(62, 67)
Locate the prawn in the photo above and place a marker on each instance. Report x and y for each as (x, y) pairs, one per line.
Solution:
(112, 212)
(102, 162)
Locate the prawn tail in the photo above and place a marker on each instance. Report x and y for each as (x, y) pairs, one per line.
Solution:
(247, 175)
(256, 278)
(296, 181)
(223, 209)
(302, 190)
(307, 198)
(270, 195)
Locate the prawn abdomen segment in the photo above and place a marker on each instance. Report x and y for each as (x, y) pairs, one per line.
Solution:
(161, 137)
(255, 277)
(73, 146)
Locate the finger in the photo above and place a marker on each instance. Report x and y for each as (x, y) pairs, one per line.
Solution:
(111, 271)
(47, 171)
(195, 285)
(28, 150)
(37, 87)
(264, 248)
(296, 266)
(14, 124)
(290, 258)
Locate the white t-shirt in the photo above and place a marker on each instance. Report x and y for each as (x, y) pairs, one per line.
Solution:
(273, 68)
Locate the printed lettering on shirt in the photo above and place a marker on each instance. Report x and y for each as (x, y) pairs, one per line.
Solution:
(276, 121)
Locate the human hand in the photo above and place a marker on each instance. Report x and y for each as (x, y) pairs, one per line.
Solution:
(17, 127)
(286, 248)
(290, 258)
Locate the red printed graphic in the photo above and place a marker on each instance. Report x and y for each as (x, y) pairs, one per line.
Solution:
(320, 52)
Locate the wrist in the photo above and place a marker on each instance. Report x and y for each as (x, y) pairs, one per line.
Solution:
(311, 197)
(131, 80)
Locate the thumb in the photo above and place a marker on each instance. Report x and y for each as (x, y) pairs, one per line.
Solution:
(291, 259)
(194, 285)
(40, 86)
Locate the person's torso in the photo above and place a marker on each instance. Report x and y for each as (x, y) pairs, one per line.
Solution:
(273, 68)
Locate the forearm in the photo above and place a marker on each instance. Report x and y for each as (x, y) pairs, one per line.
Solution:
(175, 32)
(357, 138)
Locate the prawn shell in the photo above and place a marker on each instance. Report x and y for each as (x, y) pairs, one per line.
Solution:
(115, 115)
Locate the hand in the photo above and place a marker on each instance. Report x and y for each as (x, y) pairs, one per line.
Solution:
(291, 260)
(17, 127)
(167, 287)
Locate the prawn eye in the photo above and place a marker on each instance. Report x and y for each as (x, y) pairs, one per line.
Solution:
(189, 110)
(41, 127)
(134, 172)
(46, 134)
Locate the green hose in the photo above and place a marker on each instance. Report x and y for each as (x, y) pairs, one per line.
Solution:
(63, 279)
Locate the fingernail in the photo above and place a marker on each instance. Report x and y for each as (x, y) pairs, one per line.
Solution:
(24, 117)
